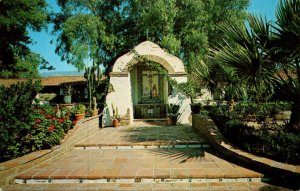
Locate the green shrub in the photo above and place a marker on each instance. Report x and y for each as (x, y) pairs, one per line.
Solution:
(270, 140)
(15, 103)
(25, 129)
(79, 108)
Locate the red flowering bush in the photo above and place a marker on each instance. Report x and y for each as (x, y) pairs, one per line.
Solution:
(24, 129)
(49, 128)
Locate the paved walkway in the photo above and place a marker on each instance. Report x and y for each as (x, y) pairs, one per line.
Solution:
(209, 186)
(140, 158)
(143, 136)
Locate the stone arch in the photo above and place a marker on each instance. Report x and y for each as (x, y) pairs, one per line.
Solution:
(124, 80)
(154, 58)
(150, 51)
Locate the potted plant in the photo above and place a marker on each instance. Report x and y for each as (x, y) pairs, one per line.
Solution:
(116, 118)
(196, 107)
(68, 94)
(80, 111)
(173, 113)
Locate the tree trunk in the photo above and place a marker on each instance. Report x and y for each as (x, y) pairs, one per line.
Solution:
(295, 116)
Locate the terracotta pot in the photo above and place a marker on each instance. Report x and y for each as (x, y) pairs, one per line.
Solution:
(79, 116)
(116, 123)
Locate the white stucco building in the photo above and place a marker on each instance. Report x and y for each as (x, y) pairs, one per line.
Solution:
(140, 92)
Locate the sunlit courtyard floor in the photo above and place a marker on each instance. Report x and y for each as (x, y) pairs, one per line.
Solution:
(140, 158)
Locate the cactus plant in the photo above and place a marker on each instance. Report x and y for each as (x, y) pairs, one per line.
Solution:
(115, 113)
(93, 75)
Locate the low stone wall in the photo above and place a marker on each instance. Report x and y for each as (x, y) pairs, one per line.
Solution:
(9, 169)
(285, 172)
(207, 128)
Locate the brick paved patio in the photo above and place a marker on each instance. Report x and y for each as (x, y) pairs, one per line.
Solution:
(178, 161)
(214, 186)
(141, 163)
(148, 135)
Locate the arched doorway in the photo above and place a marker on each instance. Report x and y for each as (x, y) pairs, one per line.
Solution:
(149, 92)
(140, 92)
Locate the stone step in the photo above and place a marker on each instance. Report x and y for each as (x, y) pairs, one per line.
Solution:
(141, 146)
(136, 180)
(170, 186)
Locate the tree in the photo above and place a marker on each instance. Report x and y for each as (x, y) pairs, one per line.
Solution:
(16, 17)
(260, 56)
(103, 30)
(27, 67)
(287, 43)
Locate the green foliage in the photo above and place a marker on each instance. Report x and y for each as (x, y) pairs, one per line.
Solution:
(25, 129)
(261, 56)
(187, 88)
(254, 111)
(68, 90)
(18, 97)
(184, 28)
(269, 139)
(115, 114)
(93, 75)
(173, 109)
(79, 108)
(16, 18)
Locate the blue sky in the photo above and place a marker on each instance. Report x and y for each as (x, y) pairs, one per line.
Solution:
(43, 46)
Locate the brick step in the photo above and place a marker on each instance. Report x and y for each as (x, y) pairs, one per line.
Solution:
(142, 146)
(137, 180)
(170, 186)
(150, 120)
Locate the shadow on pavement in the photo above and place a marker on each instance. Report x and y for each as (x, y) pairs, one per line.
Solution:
(163, 134)
(180, 154)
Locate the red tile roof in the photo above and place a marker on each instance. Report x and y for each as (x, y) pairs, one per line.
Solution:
(60, 80)
(49, 81)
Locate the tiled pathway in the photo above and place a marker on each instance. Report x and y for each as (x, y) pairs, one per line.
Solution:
(138, 163)
(140, 158)
(206, 186)
(143, 136)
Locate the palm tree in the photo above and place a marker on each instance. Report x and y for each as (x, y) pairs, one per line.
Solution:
(218, 79)
(287, 41)
(204, 75)
(258, 53)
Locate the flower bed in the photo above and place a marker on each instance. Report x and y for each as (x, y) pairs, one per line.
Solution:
(43, 129)
(49, 126)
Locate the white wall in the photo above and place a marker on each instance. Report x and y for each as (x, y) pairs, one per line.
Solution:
(120, 97)
(183, 101)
